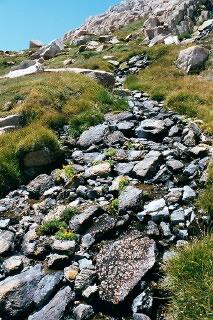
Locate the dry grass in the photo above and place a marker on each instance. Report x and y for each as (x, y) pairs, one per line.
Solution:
(191, 95)
(190, 280)
(47, 102)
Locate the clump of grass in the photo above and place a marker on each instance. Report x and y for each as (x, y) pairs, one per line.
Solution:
(68, 213)
(50, 227)
(48, 102)
(189, 278)
(65, 234)
(132, 27)
(68, 172)
(113, 207)
(110, 153)
(206, 196)
(184, 35)
(123, 183)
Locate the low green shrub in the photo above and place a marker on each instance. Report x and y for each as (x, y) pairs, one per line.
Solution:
(50, 227)
(123, 183)
(189, 278)
(110, 153)
(113, 207)
(68, 213)
(64, 234)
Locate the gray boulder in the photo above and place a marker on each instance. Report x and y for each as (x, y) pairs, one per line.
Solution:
(121, 264)
(38, 158)
(93, 135)
(39, 185)
(130, 199)
(46, 287)
(56, 308)
(151, 129)
(192, 59)
(12, 264)
(78, 222)
(107, 79)
(12, 120)
(16, 293)
(6, 241)
(148, 166)
(83, 312)
(49, 51)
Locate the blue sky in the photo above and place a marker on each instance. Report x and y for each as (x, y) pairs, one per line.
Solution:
(45, 20)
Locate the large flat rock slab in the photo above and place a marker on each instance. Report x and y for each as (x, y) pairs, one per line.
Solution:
(107, 79)
(121, 264)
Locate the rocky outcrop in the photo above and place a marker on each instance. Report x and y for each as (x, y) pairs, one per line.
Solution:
(49, 51)
(164, 17)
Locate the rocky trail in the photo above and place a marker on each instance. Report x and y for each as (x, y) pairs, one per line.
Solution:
(127, 198)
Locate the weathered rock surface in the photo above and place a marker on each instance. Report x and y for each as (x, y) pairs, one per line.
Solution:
(130, 199)
(93, 135)
(55, 309)
(6, 241)
(121, 264)
(16, 293)
(192, 59)
(148, 166)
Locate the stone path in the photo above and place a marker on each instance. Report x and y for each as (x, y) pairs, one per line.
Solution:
(135, 180)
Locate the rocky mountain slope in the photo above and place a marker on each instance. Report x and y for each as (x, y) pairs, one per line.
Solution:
(176, 16)
(106, 144)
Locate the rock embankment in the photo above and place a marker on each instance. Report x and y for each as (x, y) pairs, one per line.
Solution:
(128, 191)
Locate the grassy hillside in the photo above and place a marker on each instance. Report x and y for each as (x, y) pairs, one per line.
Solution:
(46, 102)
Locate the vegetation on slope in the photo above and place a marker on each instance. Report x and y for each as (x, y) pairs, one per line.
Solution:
(190, 280)
(46, 102)
(189, 95)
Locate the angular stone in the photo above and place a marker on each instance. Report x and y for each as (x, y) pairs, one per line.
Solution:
(84, 279)
(16, 293)
(46, 287)
(103, 169)
(188, 193)
(83, 312)
(80, 220)
(56, 308)
(130, 199)
(124, 168)
(39, 185)
(148, 166)
(6, 241)
(13, 263)
(192, 59)
(93, 135)
(151, 129)
(64, 246)
(57, 261)
(178, 216)
(121, 264)
(175, 165)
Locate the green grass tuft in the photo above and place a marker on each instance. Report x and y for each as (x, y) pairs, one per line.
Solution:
(189, 277)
